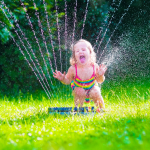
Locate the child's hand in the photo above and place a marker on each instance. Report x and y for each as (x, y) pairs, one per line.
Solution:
(58, 75)
(101, 70)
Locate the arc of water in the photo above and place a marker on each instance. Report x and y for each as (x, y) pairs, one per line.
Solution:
(113, 2)
(97, 38)
(27, 61)
(58, 33)
(42, 33)
(29, 53)
(26, 51)
(2, 23)
(101, 29)
(37, 41)
(115, 29)
(75, 20)
(50, 33)
(58, 29)
(108, 26)
(112, 57)
(86, 11)
(30, 66)
(66, 34)
(119, 3)
(29, 45)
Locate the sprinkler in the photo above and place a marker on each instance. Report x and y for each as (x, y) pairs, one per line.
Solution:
(71, 110)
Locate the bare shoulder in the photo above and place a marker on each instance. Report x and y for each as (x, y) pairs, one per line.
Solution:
(71, 71)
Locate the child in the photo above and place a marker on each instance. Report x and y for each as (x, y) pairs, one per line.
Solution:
(84, 75)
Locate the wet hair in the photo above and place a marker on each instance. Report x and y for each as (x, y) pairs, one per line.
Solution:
(89, 46)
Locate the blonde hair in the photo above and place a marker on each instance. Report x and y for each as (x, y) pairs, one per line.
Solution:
(89, 46)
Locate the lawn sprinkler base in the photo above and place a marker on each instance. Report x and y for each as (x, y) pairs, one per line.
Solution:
(71, 110)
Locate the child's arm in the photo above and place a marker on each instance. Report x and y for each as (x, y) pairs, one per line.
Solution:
(65, 78)
(100, 71)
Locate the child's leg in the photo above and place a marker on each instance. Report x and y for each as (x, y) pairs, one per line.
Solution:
(99, 102)
(81, 101)
(79, 96)
(76, 101)
(96, 96)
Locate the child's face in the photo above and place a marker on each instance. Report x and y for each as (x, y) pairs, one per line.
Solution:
(82, 53)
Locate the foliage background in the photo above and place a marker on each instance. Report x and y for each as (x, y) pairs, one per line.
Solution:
(131, 39)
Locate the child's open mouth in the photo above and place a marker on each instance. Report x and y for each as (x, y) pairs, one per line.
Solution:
(82, 59)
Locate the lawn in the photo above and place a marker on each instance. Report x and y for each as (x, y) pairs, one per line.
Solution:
(26, 124)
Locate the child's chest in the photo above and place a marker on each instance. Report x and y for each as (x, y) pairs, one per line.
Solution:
(85, 73)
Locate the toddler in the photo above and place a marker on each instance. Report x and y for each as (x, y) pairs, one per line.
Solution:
(84, 75)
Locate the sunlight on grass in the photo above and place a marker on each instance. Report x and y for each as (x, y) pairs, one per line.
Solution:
(26, 124)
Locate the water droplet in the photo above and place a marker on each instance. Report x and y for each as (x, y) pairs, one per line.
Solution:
(29, 134)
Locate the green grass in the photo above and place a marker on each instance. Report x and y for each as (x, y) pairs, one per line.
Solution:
(26, 124)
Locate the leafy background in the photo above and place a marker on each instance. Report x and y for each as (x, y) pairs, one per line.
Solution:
(127, 54)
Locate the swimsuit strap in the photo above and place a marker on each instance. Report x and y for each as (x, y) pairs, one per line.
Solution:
(93, 71)
(76, 70)
(76, 76)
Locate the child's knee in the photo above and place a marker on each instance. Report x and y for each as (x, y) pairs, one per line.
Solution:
(79, 92)
(95, 93)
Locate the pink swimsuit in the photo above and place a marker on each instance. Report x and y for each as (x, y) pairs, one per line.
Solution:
(85, 84)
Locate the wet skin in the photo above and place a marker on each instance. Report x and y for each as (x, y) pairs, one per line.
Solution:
(84, 72)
